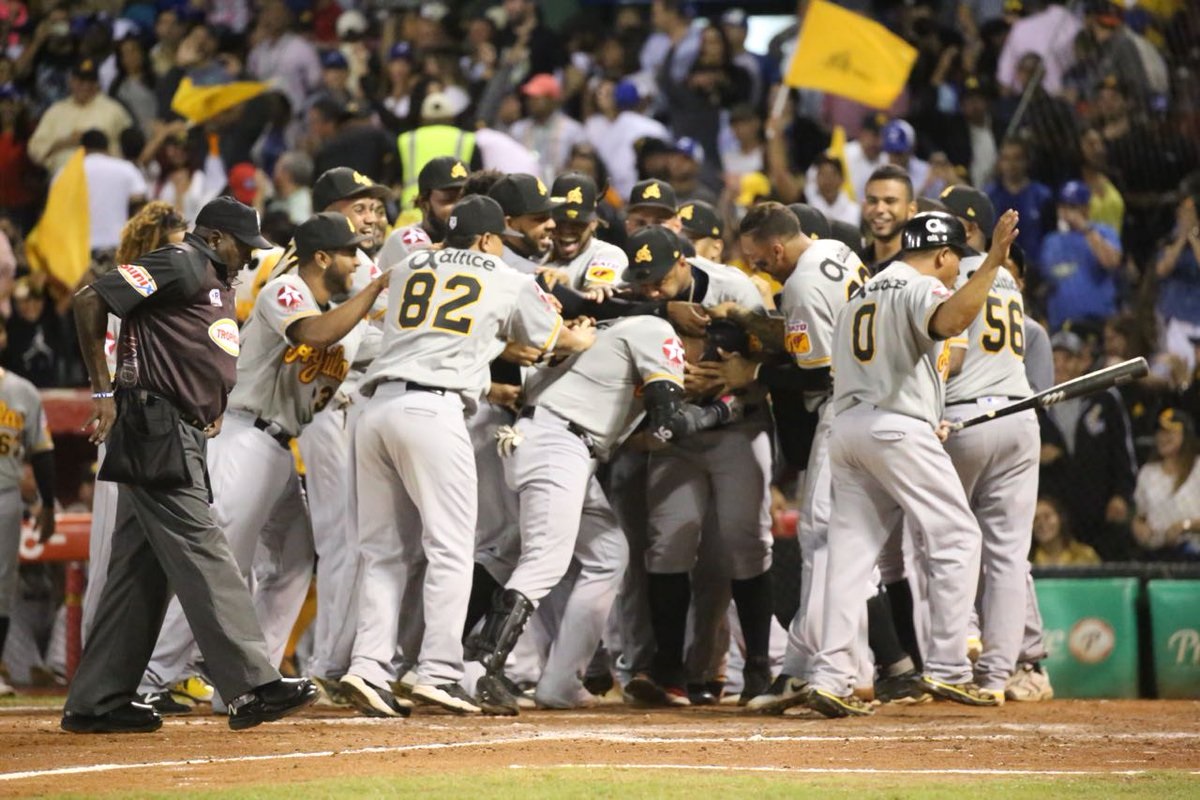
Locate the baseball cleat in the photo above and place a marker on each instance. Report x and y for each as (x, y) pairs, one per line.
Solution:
(832, 706)
(784, 693)
(165, 704)
(449, 696)
(372, 700)
(599, 685)
(6, 689)
(404, 686)
(1029, 684)
(902, 689)
(700, 695)
(583, 699)
(332, 693)
(131, 718)
(995, 694)
(496, 697)
(195, 689)
(966, 693)
(644, 690)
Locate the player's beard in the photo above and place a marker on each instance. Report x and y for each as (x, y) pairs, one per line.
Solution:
(435, 227)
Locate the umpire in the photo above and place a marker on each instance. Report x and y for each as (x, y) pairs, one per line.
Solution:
(176, 362)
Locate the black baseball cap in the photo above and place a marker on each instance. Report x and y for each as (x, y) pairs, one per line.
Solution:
(521, 195)
(443, 172)
(239, 220)
(575, 196)
(476, 215)
(846, 233)
(653, 194)
(343, 183)
(813, 223)
(652, 252)
(701, 220)
(85, 70)
(971, 204)
(327, 231)
(932, 230)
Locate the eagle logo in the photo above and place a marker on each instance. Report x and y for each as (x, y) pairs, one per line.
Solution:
(542, 190)
(686, 212)
(575, 196)
(652, 191)
(458, 170)
(643, 254)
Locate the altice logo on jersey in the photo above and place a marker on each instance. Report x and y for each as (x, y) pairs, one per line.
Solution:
(224, 332)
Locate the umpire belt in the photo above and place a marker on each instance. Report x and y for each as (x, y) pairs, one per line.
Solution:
(531, 412)
(150, 398)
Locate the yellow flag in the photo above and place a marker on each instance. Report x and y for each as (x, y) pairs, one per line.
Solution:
(846, 54)
(202, 103)
(837, 149)
(60, 243)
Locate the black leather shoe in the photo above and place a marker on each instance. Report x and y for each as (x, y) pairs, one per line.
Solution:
(272, 701)
(132, 718)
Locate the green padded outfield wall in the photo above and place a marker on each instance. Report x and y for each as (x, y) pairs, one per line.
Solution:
(1091, 635)
(1175, 622)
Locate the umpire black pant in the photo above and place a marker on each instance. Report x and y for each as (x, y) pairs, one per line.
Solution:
(165, 541)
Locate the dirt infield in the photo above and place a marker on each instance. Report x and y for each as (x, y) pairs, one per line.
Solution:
(1064, 737)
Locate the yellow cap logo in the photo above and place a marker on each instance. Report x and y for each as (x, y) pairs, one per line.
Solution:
(686, 212)
(643, 254)
(652, 191)
(363, 179)
(350, 225)
(572, 213)
(575, 196)
(946, 192)
(1167, 420)
(458, 170)
(542, 190)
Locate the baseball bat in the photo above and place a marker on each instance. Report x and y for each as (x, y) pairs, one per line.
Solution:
(1093, 382)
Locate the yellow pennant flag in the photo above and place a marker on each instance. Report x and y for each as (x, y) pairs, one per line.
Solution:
(202, 103)
(846, 54)
(837, 149)
(60, 243)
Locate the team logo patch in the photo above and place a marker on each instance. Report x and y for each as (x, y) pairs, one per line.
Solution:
(652, 192)
(417, 235)
(795, 340)
(362, 179)
(214, 298)
(687, 211)
(575, 196)
(673, 351)
(643, 255)
(289, 298)
(601, 272)
(542, 190)
(459, 170)
(110, 344)
(224, 333)
(139, 278)
(941, 292)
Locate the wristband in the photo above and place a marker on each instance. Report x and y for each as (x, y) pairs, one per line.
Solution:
(101, 395)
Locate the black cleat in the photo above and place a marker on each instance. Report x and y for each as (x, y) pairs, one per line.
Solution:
(165, 704)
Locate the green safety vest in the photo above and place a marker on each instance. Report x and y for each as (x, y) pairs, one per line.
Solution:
(419, 147)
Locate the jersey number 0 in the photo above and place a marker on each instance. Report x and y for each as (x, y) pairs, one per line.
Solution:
(447, 316)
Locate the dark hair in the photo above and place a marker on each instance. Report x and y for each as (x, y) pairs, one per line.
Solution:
(481, 181)
(132, 142)
(1064, 521)
(94, 139)
(1017, 254)
(826, 159)
(769, 220)
(460, 241)
(891, 172)
(586, 150)
(328, 109)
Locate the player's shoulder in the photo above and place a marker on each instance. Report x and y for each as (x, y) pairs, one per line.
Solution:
(288, 291)
(410, 236)
(14, 388)
(828, 250)
(638, 327)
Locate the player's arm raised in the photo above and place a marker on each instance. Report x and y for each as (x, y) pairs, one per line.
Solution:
(326, 330)
(953, 316)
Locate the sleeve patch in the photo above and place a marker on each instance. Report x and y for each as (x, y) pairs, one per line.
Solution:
(139, 278)
(673, 351)
(415, 235)
(796, 341)
(289, 298)
(601, 272)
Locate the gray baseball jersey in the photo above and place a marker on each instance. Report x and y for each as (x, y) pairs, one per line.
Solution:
(519, 262)
(888, 322)
(450, 313)
(282, 381)
(600, 389)
(598, 263)
(725, 284)
(23, 427)
(372, 335)
(993, 364)
(401, 243)
(826, 274)
(1039, 356)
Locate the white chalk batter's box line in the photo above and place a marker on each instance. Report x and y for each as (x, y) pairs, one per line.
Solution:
(572, 736)
(1016, 773)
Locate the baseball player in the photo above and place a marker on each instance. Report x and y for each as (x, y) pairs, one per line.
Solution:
(439, 186)
(729, 468)
(587, 261)
(888, 204)
(890, 355)
(651, 202)
(576, 415)
(818, 276)
(449, 315)
(526, 203)
(701, 225)
(998, 462)
(24, 436)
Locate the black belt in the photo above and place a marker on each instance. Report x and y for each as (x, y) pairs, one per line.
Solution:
(413, 386)
(528, 411)
(1013, 398)
(280, 437)
(150, 398)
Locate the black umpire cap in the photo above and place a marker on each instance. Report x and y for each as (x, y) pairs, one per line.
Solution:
(476, 215)
(521, 195)
(653, 194)
(327, 232)
(652, 252)
(971, 204)
(933, 230)
(575, 197)
(813, 223)
(700, 220)
(343, 183)
(239, 220)
(443, 172)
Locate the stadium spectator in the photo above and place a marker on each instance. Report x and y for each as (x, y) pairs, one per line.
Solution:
(61, 127)
(900, 144)
(1167, 522)
(1107, 204)
(616, 126)
(134, 85)
(282, 55)
(115, 190)
(1178, 271)
(1048, 34)
(547, 131)
(1013, 189)
(826, 194)
(865, 154)
(293, 177)
(1053, 544)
